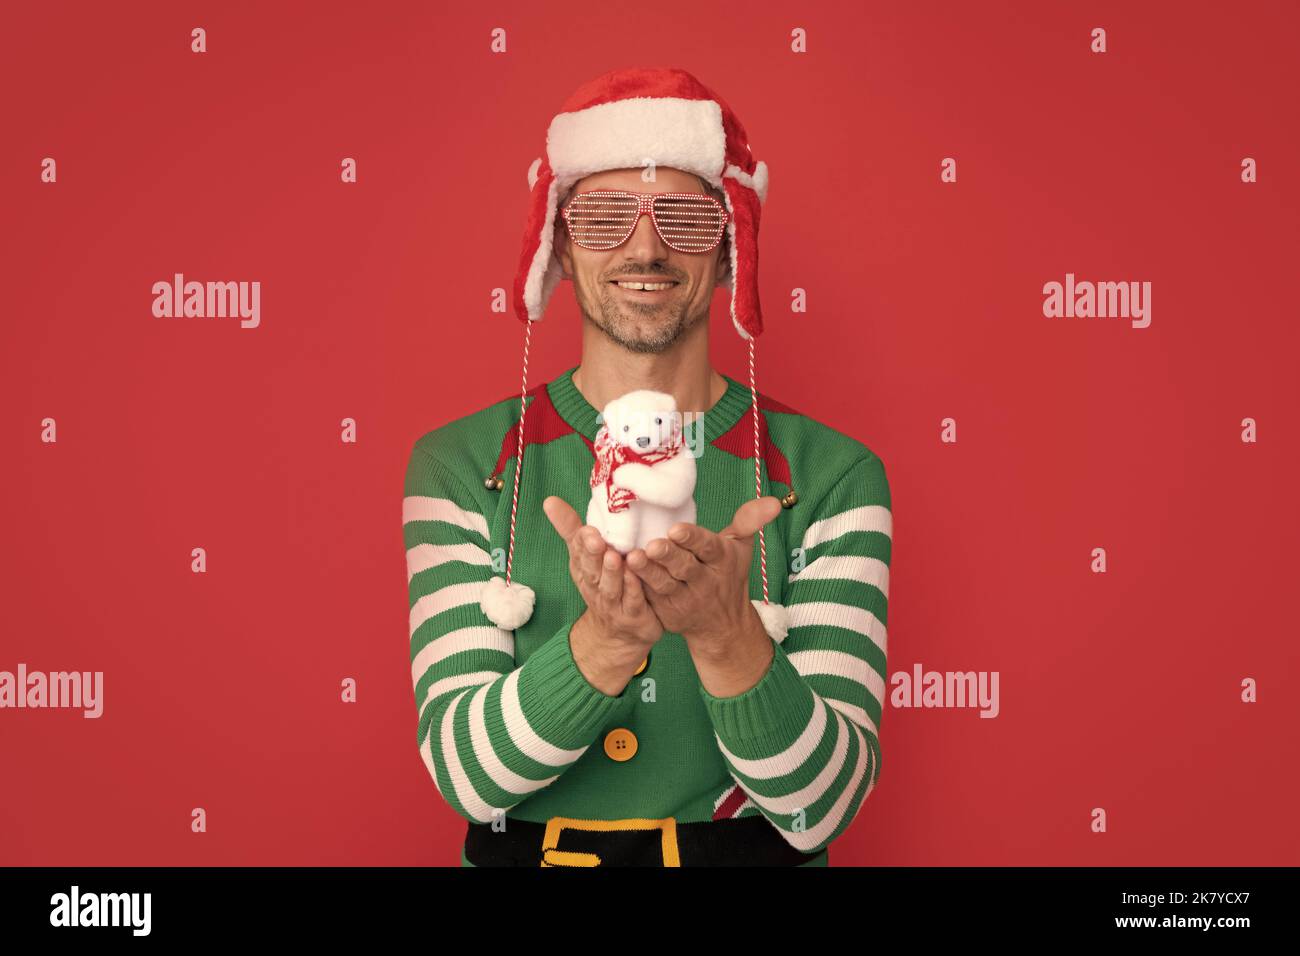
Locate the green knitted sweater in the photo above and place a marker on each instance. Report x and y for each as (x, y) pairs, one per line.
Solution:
(509, 724)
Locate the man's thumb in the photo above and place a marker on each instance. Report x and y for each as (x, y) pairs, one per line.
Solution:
(562, 516)
(751, 516)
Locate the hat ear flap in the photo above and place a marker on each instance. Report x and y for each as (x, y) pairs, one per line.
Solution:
(538, 272)
(743, 204)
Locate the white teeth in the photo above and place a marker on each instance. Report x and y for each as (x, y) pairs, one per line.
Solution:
(647, 286)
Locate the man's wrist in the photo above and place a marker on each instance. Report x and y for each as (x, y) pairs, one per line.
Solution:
(596, 659)
(718, 648)
(731, 665)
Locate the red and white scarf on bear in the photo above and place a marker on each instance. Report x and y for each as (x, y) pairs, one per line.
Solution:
(610, 454)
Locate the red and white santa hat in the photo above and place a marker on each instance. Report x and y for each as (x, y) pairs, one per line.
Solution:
(620, 121)
(624, 120)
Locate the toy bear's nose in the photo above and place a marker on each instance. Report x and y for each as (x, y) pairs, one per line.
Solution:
(643, 440)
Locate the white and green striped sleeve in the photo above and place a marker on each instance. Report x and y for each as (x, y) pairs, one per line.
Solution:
(491, 734)
(804, 741)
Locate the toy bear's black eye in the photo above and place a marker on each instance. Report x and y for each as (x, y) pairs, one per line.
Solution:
(659, 421)
(624, 428)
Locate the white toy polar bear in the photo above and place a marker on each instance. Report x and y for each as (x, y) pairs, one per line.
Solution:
(643, 481)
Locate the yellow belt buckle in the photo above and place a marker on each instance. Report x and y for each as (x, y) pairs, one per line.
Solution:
(551, 856)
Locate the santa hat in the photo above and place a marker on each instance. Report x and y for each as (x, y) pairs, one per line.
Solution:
(619, 121)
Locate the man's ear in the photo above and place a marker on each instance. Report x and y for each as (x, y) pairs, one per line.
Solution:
(560, 243)
(724, 258)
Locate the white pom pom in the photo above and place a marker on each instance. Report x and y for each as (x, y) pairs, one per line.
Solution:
(532, 174)
(776, 619)
(508, 606)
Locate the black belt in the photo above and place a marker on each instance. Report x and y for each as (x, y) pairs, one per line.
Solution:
(565, 841)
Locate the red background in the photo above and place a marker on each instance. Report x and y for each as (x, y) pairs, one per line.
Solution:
(221, 690)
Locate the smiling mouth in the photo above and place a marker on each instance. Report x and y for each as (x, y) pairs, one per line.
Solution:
(644, 290)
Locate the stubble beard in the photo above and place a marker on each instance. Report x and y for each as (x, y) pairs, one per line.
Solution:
(623, 328)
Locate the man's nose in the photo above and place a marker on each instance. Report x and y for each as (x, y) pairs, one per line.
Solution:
(644, 244)
(643, 440)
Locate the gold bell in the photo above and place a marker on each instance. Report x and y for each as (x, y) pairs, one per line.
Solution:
(493, 483)
(789, 499)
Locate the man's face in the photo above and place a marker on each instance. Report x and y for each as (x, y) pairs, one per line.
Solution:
(641, 321)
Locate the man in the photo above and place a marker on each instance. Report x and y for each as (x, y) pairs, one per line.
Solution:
(699, 701)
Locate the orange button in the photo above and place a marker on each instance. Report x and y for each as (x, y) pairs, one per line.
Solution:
(643, 666)
(620, 744)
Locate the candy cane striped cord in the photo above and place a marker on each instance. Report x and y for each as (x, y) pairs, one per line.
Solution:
(519, 453)
(758, 486)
